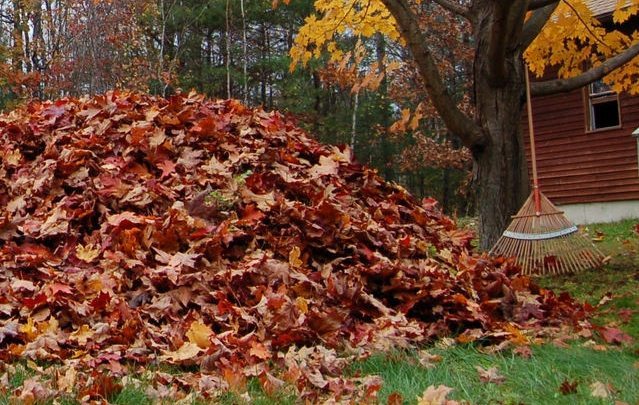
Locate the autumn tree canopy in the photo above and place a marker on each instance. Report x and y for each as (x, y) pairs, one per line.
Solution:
(546, 34)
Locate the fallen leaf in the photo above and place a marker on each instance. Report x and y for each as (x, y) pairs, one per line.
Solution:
(186, 352)
(523, 351)
(87, 253)
(294, 257)
(601, 390)
(427, 359)
(199, 334)
(614, 335)
(568, 387)
(490, 376)
(395, 398)
(435, 396)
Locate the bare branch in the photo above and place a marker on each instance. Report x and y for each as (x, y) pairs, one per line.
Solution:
(456, 121)
(455, 8)
(536, 22)
(537, 4)
(563, 85)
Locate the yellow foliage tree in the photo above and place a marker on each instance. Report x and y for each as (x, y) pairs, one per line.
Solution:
(505, 36)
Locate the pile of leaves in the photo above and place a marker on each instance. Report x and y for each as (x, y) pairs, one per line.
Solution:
(137, 230)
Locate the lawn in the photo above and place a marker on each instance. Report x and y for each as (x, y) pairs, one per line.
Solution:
(578, 370)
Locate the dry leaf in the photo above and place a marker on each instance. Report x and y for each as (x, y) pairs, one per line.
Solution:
(490, 376)
(186, 352)
(427, 359)
(568, 387)
(87, 253)
(435, 396)
(294, 257)
(601, 390)
(199, 334)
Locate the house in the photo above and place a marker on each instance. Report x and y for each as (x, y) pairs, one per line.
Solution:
(587, 155)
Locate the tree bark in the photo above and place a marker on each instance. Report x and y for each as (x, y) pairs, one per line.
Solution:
(501, 166)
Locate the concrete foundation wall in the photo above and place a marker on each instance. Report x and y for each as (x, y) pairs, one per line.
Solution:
(589, 213)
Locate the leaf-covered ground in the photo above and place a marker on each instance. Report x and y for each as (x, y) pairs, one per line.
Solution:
(141, 232)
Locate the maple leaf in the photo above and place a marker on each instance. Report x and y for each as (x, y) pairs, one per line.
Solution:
(187, 351)
(87, 253)
(200, 334)
(260, 351)
(568, 387)
(490, 376)
(8, 330)
(614, 335)
(67, 382)
(327, 167)
(294, 257)
(427, 359)
(395, 398)
(167, 167)
(34, 391)
(29, 329)
(601, 390)
(435, 396)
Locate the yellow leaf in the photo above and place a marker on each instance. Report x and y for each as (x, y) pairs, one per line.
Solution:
(12, 157)
(87, 253)
(260, 351)
(186, 352)
(301, 304)
(83, 334)
(294, 257)
(29, 329)
(199, 334)
(66, 382)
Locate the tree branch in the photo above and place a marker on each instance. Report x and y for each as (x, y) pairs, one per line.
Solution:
(455, 8)
(456, 121)
(505, 29)
(536, 4)
(536, 22)
(563, 85)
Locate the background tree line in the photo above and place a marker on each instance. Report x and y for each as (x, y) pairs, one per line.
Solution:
(239, 49)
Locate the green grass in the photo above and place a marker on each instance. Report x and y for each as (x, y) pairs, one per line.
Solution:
(619, 278)
(536, 380)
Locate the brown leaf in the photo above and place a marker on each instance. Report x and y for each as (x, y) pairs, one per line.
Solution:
(614, 335)
(601, 390)
(200, 334)
(435, 396)
(490, 376)
(568, 387)
(187, 351)
(395, 398)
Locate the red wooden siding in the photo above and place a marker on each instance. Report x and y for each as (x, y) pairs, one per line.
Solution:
(576, 166)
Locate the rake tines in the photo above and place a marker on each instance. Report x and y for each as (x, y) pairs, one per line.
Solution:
(544, 241)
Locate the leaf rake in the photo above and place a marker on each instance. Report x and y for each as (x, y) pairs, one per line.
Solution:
(540, 237)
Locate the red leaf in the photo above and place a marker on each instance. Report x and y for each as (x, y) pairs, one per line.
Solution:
(614, 335)
(101, 301)
(37, 300)
(568, 387)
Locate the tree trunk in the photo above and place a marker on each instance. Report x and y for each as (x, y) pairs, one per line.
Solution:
(500, 165)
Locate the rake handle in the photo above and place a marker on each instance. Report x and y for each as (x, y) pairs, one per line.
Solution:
(533, 154)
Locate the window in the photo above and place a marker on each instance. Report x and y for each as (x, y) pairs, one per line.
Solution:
(603, 107)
